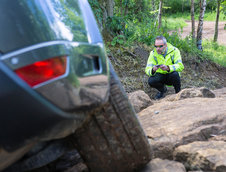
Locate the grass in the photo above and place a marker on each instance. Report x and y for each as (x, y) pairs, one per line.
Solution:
(209, 16)
(174, 23)
(216, 53)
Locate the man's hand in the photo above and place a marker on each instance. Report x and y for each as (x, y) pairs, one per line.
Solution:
(162, 66)
(165, 68)
(155, 68)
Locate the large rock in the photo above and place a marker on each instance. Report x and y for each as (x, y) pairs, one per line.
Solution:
(220, 92)
(218, 137)
(169, 124)
(191, 93)
(207, 156)
(159, 165)
(140, 100)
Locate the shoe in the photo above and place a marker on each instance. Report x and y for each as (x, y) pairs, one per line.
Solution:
(160, 95)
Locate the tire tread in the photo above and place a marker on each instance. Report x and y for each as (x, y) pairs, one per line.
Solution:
(113, 140)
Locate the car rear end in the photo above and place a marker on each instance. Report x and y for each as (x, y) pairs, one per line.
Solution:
(53, 69)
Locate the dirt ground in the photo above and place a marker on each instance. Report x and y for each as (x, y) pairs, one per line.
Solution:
(208, 31)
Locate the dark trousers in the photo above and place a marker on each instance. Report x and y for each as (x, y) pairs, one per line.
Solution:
(159, 81)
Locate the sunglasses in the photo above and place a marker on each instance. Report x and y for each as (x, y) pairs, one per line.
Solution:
(160, 46)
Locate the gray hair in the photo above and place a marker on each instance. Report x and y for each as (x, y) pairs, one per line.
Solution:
(161, 38)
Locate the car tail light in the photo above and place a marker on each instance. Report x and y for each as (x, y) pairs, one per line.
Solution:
(42, 71)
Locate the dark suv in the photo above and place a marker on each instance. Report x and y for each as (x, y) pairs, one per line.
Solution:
(58, 91)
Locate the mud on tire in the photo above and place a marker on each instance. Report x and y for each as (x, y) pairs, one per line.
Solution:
(113, 140)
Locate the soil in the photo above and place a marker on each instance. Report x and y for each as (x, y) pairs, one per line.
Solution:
(208, 31)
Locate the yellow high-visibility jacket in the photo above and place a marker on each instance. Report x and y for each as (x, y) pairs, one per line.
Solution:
(172, 59)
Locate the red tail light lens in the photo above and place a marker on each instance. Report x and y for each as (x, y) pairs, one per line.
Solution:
(42, 71)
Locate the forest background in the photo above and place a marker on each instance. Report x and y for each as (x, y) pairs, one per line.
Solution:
(129, 28)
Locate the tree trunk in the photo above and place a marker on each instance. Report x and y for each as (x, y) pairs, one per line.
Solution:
(182, 7)
(200, 25)
(154, 16)
(160, 14)
(110, 8)
(101, 24)
(121, 7)
(153, 5)
(126, 7)
(139, 9)
(107, 7)
(192, 20)
(217, 20)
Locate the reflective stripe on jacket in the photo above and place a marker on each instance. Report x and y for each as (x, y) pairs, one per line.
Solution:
(172, 59)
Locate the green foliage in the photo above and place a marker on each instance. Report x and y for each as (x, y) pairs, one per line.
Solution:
(146, 32)
(211, 5)
(174, 23)
(134, 23)
(181, 6)
(223, 8)
(215, 52)
(97, 10)
(209, 16)
(71, 15)
(140, 32)
(115, 24)
(178, 6)
(119, 39)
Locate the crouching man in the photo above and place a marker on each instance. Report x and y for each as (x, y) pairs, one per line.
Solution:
(163, 67)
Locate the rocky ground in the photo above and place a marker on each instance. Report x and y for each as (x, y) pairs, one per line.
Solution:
(187, 131)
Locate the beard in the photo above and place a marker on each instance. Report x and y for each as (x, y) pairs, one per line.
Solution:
(161, 51)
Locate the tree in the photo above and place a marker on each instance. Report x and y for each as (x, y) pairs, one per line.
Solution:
(200, 25)
(126, 7)
(103, 9)
(160, 14)
(192, 20)
(217, 20)
(153, 9)
(123, 7)
(110, 7)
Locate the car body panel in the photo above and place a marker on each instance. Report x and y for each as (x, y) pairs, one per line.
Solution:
(26, 116)
(33, 31)
(74, 90)
(25, 23)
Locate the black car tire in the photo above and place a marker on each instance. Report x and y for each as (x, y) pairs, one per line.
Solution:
(113, 140)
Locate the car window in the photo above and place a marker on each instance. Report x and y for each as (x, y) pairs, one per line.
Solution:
(69, 18)
(28, 22)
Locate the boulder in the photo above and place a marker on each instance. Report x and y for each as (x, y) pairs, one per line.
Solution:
(220, 92)
(218, 138)
(207, 156)
(182, 122)
(191, 93)
(159, 165)
(140, 100)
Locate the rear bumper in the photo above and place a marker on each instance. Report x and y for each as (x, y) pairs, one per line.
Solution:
(25, 115)
(53, 109)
